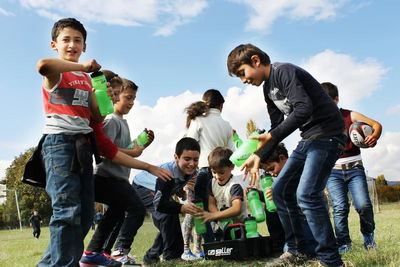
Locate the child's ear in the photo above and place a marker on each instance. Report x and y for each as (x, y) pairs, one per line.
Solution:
(256, 60)
(176, 158)
(232, 166)
(282, 158)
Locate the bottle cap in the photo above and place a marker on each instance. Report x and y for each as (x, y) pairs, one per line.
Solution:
(260, 131)
(96, 74)
(197, 200)
(223, 208)
(250, 218)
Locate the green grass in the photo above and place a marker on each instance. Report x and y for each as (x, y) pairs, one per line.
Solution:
(20, 249)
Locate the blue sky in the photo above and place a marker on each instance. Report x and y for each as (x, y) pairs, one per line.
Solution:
(176, 50)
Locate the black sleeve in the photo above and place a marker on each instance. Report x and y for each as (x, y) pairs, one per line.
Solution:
(30, 219)
(163, 201)
(237, 192)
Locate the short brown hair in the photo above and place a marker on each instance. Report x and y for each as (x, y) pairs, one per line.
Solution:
(219, 158)
(242, 55)
(64, 23)
(331, 89)
(128, 84)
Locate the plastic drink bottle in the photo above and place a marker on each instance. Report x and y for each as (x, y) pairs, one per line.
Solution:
(200, 228)
(266, 182)
(238, 142)
(245, 150)
(227, 221)
(141, 140)
(256, 206)
(250, 224)
(99, 82)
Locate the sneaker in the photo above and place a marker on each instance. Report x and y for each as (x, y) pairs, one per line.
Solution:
(123, 257)
(123, 252)
(287, 259)
(189, 256)
(369, 242)
(200, 254)
(98, 259)
(344, 248)
(326, 265)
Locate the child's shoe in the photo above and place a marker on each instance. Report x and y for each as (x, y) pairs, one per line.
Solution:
(369, 242)
(188, 256)
(344, 248)
(122, 255)
(200, 254)
(98, 259)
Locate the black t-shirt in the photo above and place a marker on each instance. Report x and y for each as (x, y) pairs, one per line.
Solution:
(35, 220)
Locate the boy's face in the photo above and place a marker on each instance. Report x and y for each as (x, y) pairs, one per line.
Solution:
(35, 212)
(69, 44)
(125, 102)
(252, 74)
(188, 161)
(222, 174)
(274, 168)
(116, 88)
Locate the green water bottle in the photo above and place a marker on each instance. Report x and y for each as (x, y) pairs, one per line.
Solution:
(200, 228)
(141, 140)
(250, 224)
(245, 150)
(266, 182)
(255, 204)
(227, 221)
(238, 142)
(99, 82)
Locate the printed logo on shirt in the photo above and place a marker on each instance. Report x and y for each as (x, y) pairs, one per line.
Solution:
(70, 97)
(280, 101)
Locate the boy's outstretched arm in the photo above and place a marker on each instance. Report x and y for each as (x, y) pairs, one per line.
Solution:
(373, 138)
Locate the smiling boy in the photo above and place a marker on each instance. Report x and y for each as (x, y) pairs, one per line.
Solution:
(156, 195)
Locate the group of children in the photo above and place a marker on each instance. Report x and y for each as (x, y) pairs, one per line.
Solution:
(75, 130)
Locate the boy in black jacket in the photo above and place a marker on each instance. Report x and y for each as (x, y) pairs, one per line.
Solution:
(34, 221)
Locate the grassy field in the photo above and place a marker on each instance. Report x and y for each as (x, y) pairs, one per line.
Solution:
(20, 249)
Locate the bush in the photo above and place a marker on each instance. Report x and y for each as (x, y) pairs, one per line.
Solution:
(388, 193)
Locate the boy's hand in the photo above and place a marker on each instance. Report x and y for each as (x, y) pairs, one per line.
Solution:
(137, 149)
(371, 140)
(30, 225)
(246, 190)
(264, 139)
(251, 165)
(150, 135)
(190, 208)
(91, 66)
(206, 216)
(161, 173)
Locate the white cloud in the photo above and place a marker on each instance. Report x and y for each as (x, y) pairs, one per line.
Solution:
(4, 12)
(383, 158)
(4, 164)
(165, 15)
(393, 110)
(355, 79)
(265, 12)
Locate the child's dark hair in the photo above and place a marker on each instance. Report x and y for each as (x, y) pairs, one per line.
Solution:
(70, 22)
(186, 143)
(112, 77)
(128, 84)
(279, 150)
(242, 55)
(331, 89)
(219, 158)
(211, 99)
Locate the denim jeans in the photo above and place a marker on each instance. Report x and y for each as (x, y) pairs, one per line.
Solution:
(201, 191)
(72, 195)
(305, 174)
(355, 181)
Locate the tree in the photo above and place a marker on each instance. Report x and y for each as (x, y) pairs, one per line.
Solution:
(29, 197)
(380, 180)
(251, 126)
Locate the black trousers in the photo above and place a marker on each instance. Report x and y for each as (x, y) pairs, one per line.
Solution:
(36, 231)
(169, 240)
(119, 196)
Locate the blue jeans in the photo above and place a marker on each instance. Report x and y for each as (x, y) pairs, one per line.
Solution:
(72, 195)
(201, 191)
(305, 174)
(355, 181)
